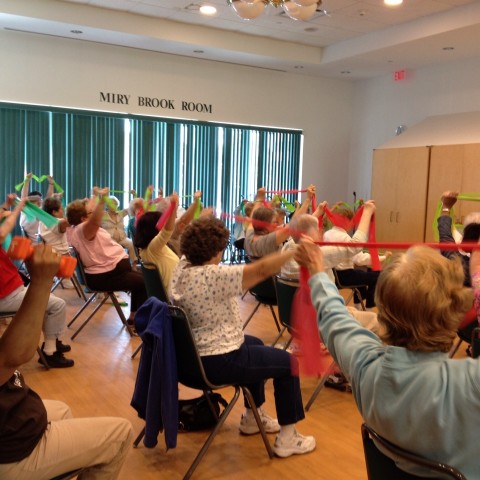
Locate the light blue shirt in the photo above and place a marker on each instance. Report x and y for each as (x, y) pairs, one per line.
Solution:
(423, 402)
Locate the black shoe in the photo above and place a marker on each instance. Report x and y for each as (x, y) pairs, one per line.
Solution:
(57, 360)
(62, 347)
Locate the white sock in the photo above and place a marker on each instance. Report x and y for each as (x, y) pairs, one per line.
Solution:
(50, 346)
(287, 431)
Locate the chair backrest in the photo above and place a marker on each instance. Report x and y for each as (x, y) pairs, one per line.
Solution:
(381, 467)
(189, 364)
(286, 289)
(265, 292)
(80, 266)
(153, 282)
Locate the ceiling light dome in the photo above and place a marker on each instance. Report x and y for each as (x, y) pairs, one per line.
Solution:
(297, 12)
(305, 3)
(247, 11)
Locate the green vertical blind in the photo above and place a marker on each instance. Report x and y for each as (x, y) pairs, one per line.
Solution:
(82, 149)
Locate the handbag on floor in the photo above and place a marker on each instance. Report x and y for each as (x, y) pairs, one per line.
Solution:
(195, 414)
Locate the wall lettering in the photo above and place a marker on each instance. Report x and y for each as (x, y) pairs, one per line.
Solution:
(154, 102)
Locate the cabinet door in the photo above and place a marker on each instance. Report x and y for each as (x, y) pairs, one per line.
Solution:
(399, 187)
(454, 168)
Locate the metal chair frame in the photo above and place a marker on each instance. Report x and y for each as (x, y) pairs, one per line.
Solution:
(381, 466)
(110, 296)
(353, 289)
(192, 374)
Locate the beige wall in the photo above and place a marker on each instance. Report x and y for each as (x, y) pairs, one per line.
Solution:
(44, 70)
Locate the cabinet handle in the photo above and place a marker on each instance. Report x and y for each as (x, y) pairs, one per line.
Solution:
(391, 216)
(397, 216)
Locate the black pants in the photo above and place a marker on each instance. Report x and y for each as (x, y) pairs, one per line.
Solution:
(366, 278)
(121, 279)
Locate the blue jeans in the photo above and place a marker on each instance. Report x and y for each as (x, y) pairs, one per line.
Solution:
(251, 365)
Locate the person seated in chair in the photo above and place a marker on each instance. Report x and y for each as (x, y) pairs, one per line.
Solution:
(405, 385)
(264, 234)
(471, 234)
(13, 292)
(347, 272)
(113, 223)
(208, 293)
(152, 243)
(107, 265)
(39, 439)
(29, 226)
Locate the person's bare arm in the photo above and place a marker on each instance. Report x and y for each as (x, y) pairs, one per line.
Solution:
(94, 220)
(26, 185)
(50, 187)
(448, 201)
(187, 217)
(170, 225)
(20, 341)
(368, 212)
(63, 225)
(10, 221)
(308, 201)
(254, 273)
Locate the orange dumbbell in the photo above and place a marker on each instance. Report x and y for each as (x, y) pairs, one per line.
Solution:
(21, 249)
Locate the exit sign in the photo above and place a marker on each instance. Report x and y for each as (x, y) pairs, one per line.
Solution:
(399, 75)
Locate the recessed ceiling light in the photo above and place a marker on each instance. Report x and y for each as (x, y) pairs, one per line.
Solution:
(208, 10)
(392, 3)
(448, 48)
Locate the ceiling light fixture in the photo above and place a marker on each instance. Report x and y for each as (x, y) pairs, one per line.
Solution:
(295, 9)
(392, 3)
(208, 10)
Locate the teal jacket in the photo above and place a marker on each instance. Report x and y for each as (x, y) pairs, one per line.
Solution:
(426, 403)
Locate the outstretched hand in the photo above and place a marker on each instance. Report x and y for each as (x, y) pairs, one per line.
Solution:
(309, 255)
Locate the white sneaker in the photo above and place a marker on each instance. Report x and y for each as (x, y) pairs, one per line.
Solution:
(248, 425)
(297, 444)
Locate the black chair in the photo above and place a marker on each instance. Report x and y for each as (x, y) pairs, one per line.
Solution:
(41, 355)
(110, 295)
(382, 467)
(192, 375)
(154, 286)
(354, 289)
(264, 294)
(285, 289)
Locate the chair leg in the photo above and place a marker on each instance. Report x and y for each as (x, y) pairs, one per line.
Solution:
(251, 402)
(78, 287)
(362, 301)
(139, 438)
(83, 307)
(275, 318)
(251, 315)
(114, 300)
(320, 385)
(89, 318)
(212, 435)
(42, 358)
(135, 353)
(277, 338)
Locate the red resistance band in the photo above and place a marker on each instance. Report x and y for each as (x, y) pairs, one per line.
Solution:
(313, 361)
(165, 216)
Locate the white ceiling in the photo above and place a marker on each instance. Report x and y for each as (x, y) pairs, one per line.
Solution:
(346, 38)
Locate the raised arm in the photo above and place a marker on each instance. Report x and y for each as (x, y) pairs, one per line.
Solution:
(9, 219)
(254, 273)
(50, 187)
(308, 201)
(94, 220)
(26, 185)
(187, 217)
(20, 341)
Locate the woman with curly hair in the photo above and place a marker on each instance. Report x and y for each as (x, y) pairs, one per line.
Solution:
(405, 385)
(208, 293)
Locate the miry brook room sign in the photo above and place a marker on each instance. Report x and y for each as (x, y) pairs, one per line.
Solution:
(155, 103)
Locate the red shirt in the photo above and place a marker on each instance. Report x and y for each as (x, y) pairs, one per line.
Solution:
(10, 279)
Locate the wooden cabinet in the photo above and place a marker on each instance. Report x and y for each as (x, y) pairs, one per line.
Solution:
(454, 168)
(399, 188)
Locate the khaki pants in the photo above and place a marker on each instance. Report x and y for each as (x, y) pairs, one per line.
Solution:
(101, 443)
